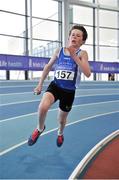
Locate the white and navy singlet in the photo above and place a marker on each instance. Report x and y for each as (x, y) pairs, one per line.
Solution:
(66, 71)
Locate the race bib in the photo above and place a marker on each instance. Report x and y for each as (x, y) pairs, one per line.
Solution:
(64, 74)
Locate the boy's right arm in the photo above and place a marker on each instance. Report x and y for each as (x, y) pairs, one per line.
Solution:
(46, 70)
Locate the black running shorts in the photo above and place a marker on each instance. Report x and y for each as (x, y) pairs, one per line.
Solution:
(65, 97)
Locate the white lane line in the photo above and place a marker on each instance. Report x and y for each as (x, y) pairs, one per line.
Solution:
(17, 117)
(16, 81)
(79, 89)
(77, 121)
(36, 100)
(17, 93)
(19, 86)
(19, 102)
(12, 94)
(89, 156)
(55, 109)
(81, 84)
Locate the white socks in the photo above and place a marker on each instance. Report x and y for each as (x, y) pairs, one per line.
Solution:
(40, 130)
(59, 133)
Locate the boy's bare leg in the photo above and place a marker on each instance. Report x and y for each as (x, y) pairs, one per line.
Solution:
(45, 104)
(62, 117)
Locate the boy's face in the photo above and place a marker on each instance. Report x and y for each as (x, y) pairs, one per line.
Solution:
(76, 38)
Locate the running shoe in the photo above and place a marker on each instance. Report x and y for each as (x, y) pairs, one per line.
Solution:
(35, 135)
(60, 140)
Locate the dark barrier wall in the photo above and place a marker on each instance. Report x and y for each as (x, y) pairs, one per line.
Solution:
(13, 62)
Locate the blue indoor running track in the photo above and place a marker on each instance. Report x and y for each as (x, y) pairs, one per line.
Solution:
(95, 114)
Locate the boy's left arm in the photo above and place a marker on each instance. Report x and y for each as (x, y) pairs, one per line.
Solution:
(82, 61)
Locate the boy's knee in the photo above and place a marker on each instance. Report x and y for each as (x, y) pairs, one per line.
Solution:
(43, 108)
(62, 121)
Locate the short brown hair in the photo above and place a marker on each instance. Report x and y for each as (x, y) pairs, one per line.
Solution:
(81, 28)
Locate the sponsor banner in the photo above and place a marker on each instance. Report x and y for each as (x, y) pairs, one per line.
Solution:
(17, 62)
(37, 63)
(104, 67)
(13, 62)
(3, 62)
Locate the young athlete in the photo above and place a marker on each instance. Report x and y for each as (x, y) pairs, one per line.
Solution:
(69, 62)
